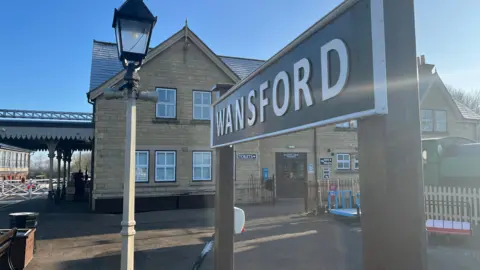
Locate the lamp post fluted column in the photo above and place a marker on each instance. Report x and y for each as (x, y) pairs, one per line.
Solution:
(133, 23)
(128, 221)
(130, 93)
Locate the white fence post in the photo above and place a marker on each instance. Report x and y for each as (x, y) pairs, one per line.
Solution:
(29, 189)
(475, 206)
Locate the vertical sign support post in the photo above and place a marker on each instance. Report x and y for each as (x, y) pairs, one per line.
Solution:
(390, 152)
(224, 202)
(378, 84)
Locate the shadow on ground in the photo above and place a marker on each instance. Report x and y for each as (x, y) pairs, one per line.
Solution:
(73, 219)
(295, 243)
(161, 259)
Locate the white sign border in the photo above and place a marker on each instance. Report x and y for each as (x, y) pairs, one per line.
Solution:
(379, 72)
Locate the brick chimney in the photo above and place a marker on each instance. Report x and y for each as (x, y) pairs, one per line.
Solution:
(423, 67)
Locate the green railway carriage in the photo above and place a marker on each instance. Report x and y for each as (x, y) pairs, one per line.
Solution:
(451, 161)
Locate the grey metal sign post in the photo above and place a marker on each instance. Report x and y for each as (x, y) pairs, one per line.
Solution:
(358, 62)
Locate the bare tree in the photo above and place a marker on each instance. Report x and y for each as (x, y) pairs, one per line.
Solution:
(81, 161)
(470, 98)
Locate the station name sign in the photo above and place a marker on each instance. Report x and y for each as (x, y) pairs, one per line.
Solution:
(333, 72)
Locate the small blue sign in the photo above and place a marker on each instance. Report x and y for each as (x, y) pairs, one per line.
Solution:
(265, 173)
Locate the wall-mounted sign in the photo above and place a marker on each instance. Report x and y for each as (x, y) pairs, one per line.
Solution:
(310, 168)
(247, 156)
(265, 173)
(290, 155)
(326, 161)
(329, 74)
(326, 173)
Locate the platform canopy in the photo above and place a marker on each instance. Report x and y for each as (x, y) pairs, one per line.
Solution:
(35, 135)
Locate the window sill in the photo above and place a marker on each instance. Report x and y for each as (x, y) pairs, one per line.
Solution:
(142, 183)
(166, 184)
(202, 183)
(346, 171)
(157, 120)
(199, 122)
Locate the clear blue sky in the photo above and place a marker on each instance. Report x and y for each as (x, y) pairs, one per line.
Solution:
(46, 45)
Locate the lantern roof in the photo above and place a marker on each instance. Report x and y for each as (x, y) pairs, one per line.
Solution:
(134, 10)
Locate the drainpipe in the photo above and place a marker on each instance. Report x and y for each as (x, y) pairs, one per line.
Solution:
(92, 159)
(317, 199)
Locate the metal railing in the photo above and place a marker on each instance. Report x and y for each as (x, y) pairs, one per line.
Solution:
(48, 115)
(322, 188)
(260, 190)
(14, 190)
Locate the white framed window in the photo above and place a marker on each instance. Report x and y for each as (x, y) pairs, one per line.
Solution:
(434, 120)
(343, 161)
(141, 166)
(7, 159)
(427, 120)
(355, 162)
(441, 121)
(167, 103)
(201, 105)
(20, 160)
(202, 166)
(165, 166)
(2, 159)
(25, 163)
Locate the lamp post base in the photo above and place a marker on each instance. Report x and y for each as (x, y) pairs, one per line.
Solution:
(57, 195)
(128, 245)
(50, 194)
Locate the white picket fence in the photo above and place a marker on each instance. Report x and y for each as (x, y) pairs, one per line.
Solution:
(452, 203)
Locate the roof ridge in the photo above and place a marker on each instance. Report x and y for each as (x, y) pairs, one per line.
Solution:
(226, 56)
(244, 58)
(105, 42)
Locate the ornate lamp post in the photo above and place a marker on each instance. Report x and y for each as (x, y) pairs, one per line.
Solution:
(133, 23)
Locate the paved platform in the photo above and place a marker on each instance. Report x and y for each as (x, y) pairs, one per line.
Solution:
(280, 237)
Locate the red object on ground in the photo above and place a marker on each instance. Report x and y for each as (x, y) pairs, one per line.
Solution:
(449, 231)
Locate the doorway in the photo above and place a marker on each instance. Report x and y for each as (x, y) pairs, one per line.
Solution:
(291, 171)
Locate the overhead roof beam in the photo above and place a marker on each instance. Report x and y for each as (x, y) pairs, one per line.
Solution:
(49, 115)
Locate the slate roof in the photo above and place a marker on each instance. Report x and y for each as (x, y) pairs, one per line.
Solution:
(241, 66)
(105, 63)
(466, 112)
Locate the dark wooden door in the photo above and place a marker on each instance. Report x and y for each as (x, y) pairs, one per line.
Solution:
(291, 173)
